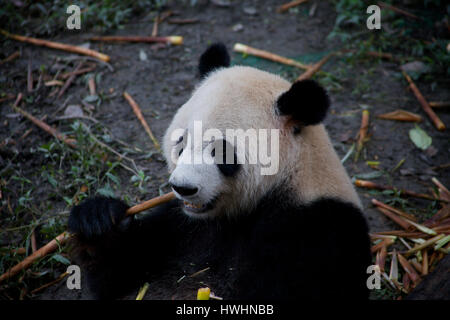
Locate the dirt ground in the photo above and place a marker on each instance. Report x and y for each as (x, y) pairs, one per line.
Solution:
(164, 81)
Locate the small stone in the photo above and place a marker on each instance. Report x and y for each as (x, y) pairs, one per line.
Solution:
(415, 66)
(237, 27)
(250, 11)
(73, 110)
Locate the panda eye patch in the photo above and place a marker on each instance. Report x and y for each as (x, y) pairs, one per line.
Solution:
(180, 152)
(179, 140)
(223, 148)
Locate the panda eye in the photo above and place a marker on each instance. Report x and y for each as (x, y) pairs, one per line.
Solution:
(213, 152)
(180, 140)
(180, 152)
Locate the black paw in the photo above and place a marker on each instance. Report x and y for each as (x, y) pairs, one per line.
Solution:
(98, 217)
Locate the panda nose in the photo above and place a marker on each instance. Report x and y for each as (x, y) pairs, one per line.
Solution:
(185, 190)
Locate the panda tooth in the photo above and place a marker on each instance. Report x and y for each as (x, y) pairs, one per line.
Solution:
(192, 205)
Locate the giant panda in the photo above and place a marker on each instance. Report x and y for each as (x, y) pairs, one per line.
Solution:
(298, 233)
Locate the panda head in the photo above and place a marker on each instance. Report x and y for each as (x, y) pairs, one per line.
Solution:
(241, 135)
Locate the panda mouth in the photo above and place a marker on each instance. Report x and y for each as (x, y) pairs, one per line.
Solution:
(198, 208)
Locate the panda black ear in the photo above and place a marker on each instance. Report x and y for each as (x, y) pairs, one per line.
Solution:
(306, 102)
(216, 56)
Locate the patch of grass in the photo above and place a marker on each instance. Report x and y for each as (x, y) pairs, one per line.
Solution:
(45, 196)
(49, 17)
(399, 35)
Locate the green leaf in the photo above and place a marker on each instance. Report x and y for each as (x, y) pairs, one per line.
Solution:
(369, 175)
(106, 191)
(420, 138)
(61, 259)
(113, 178)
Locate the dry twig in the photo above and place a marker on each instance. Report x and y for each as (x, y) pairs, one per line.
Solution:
(395, 9)
(41, 124)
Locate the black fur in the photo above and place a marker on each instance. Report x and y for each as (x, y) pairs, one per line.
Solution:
(306, 102)
(227, 169)
(277, 251)
(216, 56)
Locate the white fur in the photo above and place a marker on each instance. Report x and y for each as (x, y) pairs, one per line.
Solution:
(243, 98)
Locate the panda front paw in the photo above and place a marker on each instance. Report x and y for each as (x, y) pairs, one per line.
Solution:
(99, 217)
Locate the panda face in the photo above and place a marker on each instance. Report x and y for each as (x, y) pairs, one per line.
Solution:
(211, 173)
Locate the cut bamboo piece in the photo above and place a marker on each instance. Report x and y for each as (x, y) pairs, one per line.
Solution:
(373, 185)
(401, 115)
(138, 113)
(10, 58)
(285, 7)
(176, 40)
(362, 135)
(383, 243)
(439, 104)
(398, 220)
(314, 68)
(426, 107)
(399, 212)
(45, 250)
(424, 262)
(57, 45)
(142, 291)
(242, 48)
(425, 244)
(408, 268)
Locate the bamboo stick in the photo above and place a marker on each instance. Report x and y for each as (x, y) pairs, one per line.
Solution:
(138, 113)
(373, 185)
(62, 276)
(176, 40)
(423, 102)
(63, 237)
(398, 220)
(439, 104)
(424, 262)
(408, 268)
(13, 56)
(425, 244)
(57, 45)
(43, 251)
(285, 7)
(362, 135)
(399, 212)
(242, 48)
(314, 68)
(401, 115)
(383, 243)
